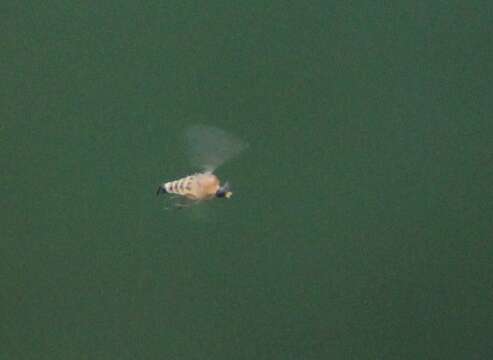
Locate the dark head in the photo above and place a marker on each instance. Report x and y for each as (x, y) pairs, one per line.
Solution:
(224, 192)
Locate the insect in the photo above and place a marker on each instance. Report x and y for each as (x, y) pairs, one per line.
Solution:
(209, 148)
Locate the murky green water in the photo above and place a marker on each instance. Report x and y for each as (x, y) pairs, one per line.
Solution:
(362, 218)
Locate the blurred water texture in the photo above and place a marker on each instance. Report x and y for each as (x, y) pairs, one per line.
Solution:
(361, 222)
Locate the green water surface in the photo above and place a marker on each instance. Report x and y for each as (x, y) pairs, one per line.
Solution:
(361, 225)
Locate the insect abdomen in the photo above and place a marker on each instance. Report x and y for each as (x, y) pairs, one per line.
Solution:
(181, 186)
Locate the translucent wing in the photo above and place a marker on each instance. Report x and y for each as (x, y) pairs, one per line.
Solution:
(210, 147)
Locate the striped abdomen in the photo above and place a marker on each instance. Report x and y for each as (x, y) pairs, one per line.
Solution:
(181, 186)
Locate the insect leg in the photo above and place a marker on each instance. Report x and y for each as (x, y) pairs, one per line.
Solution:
(177, 202)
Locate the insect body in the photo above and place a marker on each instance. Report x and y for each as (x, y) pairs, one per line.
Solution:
(209, 148)
(200, 186)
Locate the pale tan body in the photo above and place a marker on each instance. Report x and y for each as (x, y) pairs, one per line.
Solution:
(200, 186)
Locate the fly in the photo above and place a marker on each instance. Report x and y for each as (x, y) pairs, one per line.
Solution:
(209, 148)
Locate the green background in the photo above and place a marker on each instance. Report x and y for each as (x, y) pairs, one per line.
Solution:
(361, 226)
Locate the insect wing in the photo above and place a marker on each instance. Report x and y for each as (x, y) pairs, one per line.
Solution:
(210, 147)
